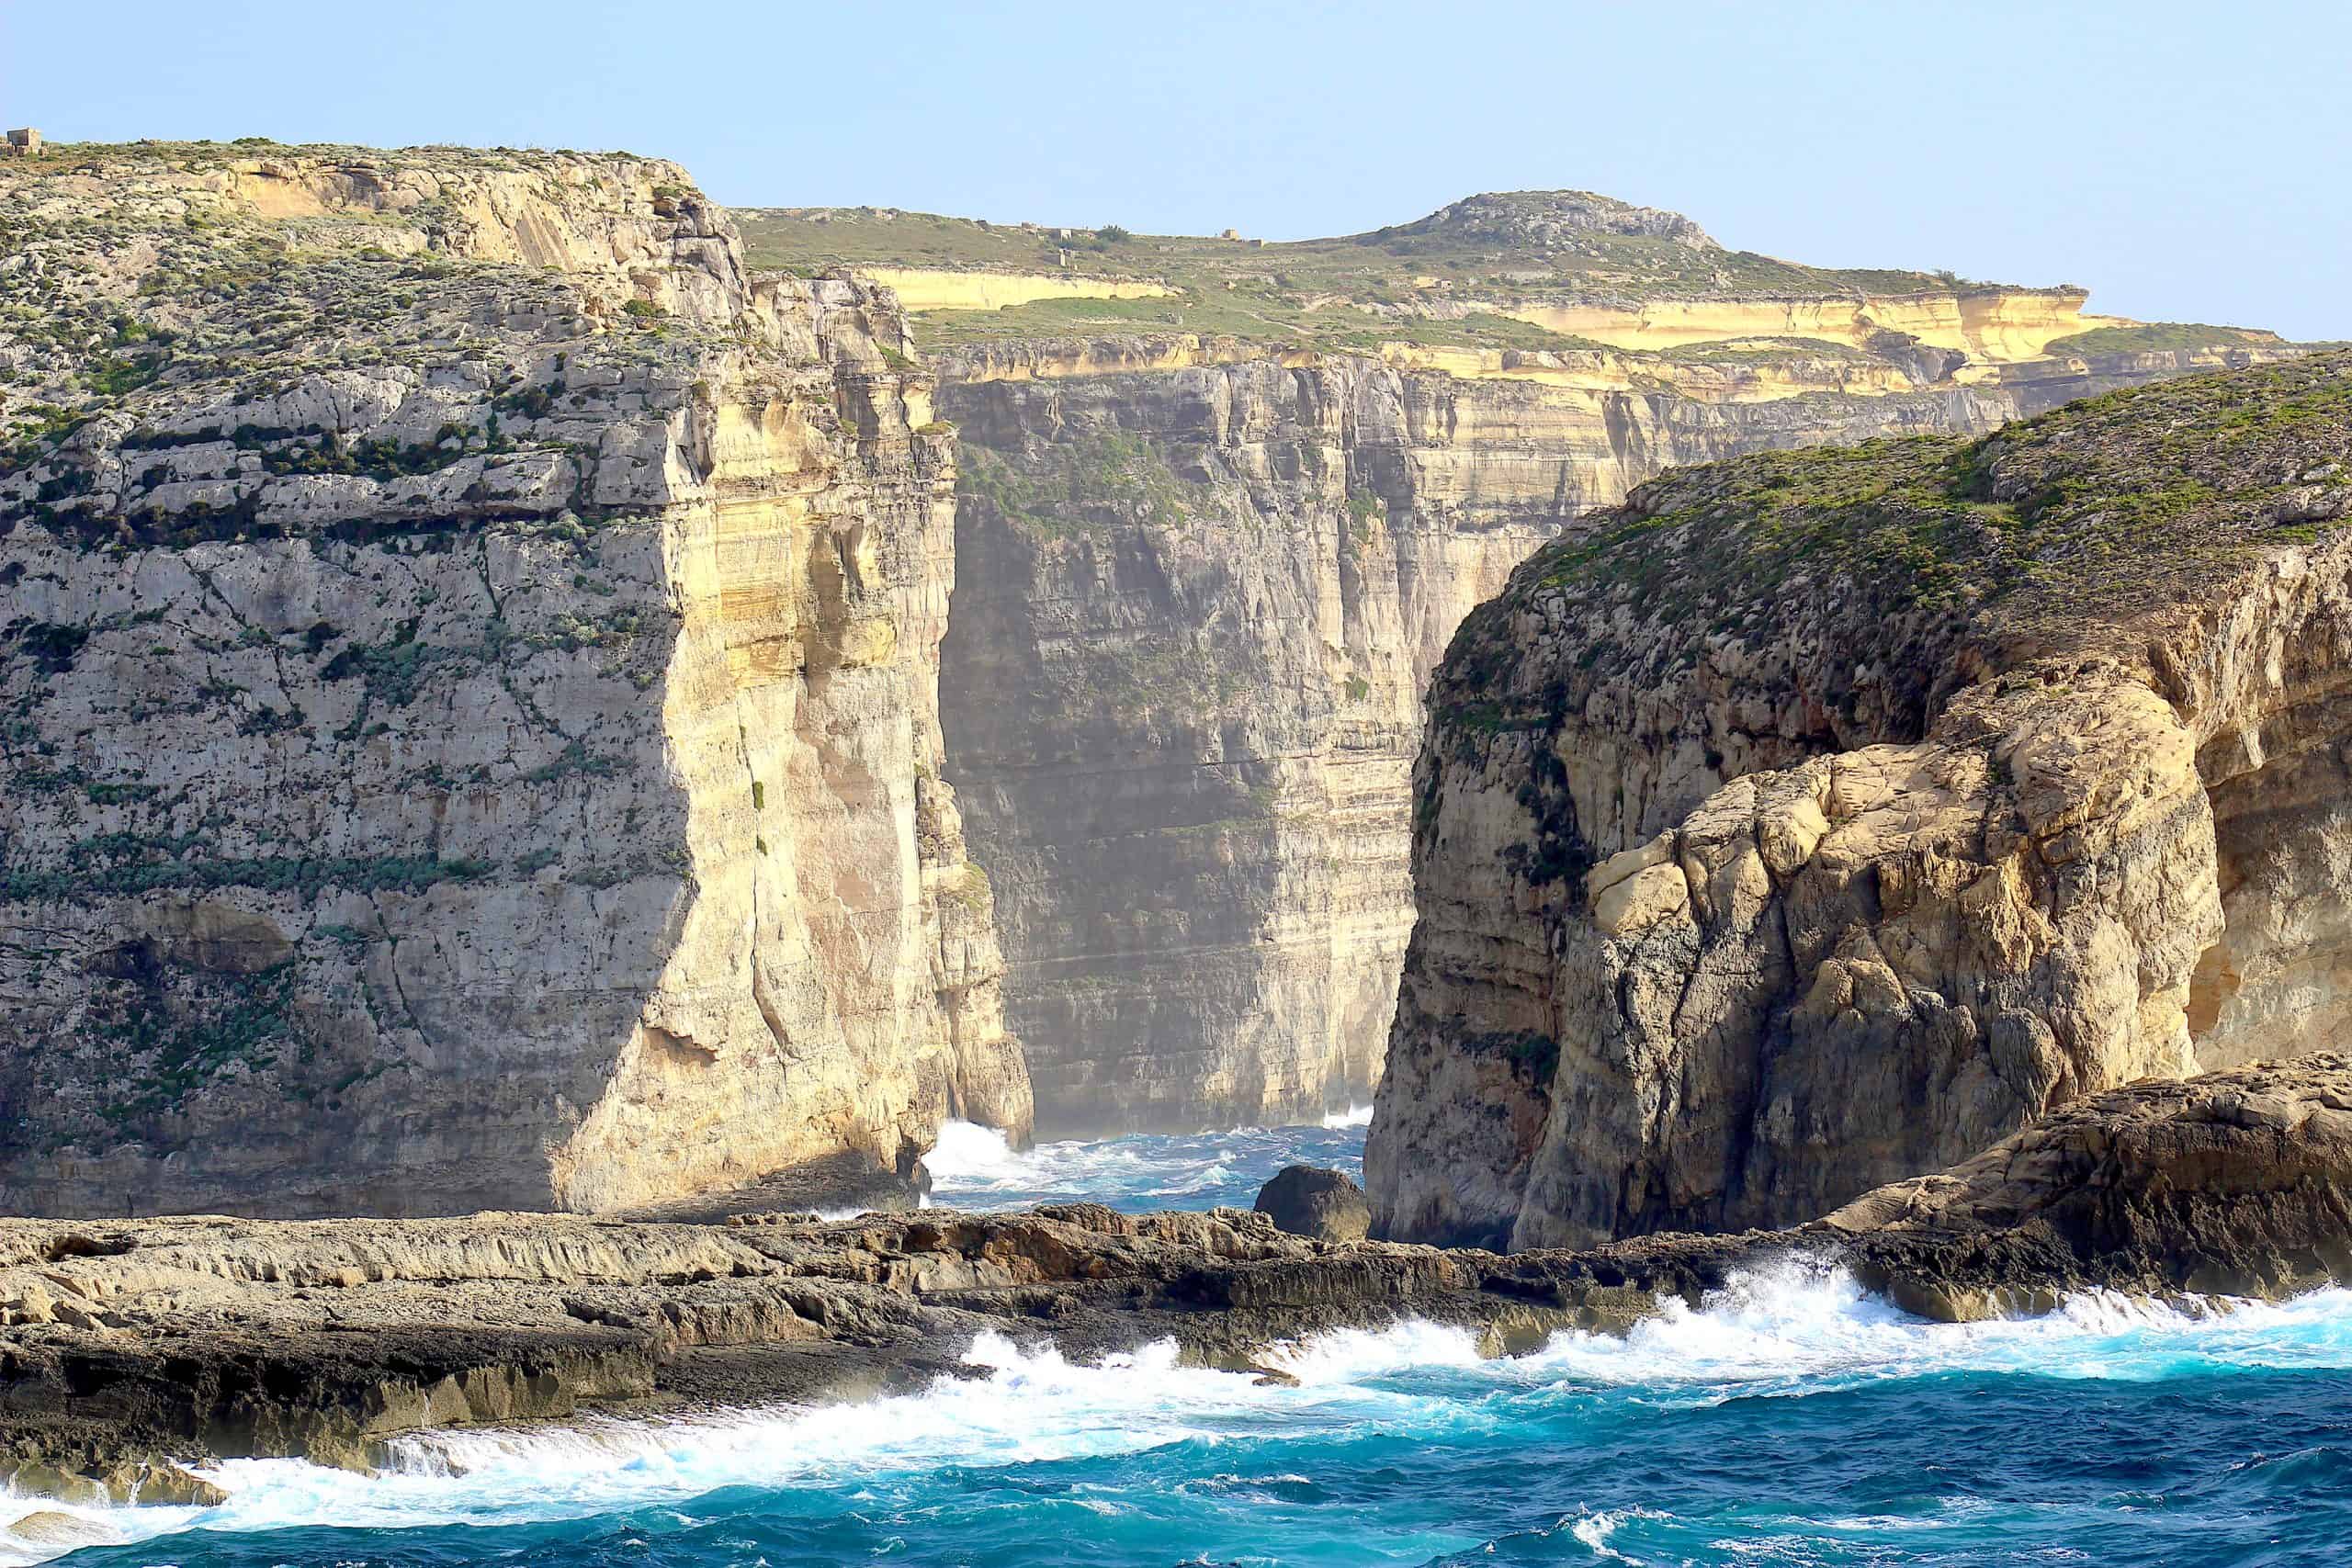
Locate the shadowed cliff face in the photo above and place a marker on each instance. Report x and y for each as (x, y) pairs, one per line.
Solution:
(1182, 679)
(472, 660)
(1816, 818)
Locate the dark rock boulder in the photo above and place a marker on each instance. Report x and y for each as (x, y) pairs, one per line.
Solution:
(1306, 1200)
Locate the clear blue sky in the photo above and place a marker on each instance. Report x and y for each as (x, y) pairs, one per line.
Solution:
(2185, 161)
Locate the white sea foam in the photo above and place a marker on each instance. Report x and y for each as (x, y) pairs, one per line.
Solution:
(1353, 1116)
(1789, 1330)
(1351, 1356)
(51, 1528)
(976, 1165)
(969, 1152)
(972, 1163)
(1594, 1531)
(1800, 1329)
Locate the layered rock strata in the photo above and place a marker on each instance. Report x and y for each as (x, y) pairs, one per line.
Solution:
(472, 661)
(1200, 590)
(1816, 818)
(131, 1351)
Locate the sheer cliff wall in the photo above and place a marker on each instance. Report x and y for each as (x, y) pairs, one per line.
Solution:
(1201, 586)
(470, 667)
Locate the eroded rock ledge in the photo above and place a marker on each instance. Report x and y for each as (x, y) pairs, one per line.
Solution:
(1819, 818)
(131, 1351)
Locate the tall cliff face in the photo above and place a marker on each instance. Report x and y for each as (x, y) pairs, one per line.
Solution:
(471, 660)
(1183, 687)
(1224, 502)
(1816, 818)
(1201, 587)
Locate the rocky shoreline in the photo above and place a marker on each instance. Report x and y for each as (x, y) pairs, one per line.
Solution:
(133, 1352)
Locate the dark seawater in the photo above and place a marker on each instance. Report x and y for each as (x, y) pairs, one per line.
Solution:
(1793, 1420)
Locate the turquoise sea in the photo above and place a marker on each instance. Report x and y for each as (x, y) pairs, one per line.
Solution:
(1792, 1420)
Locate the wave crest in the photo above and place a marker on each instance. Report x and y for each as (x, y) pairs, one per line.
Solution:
(1789, 1330)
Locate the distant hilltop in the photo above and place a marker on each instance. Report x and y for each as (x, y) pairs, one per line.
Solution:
(1551, 220)
(1502, 274)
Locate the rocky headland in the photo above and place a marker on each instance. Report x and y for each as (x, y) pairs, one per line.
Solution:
(1816, 818)
(472, 660)
(132, 1352)
(485, 662)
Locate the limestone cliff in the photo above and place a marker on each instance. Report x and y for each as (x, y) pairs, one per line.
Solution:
(1200, 588)
(1221, 505)
(1183, 688)
(471, 671)
(1816, 818)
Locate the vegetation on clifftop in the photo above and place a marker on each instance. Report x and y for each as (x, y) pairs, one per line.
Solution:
(1462, 277)
(156, 280)
(2165, 337)
(2092, 514)
(1433, 282)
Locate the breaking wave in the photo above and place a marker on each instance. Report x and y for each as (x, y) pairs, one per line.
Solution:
(974, 1166)
(1791, 1418)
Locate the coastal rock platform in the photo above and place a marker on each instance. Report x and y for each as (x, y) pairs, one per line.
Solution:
(133, 1352)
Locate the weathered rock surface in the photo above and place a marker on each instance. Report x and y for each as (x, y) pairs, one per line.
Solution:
(1817, 819)
(472, 661)
(1548, 219)
(130, 1349)
(1202, 584)
(1306, 1200)
(2231, 1182)
(1195, 612)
